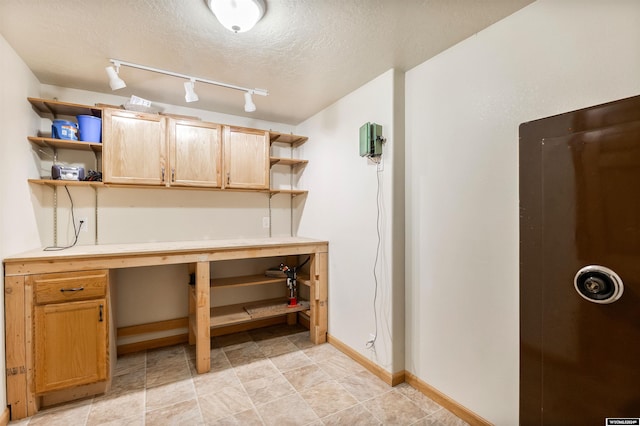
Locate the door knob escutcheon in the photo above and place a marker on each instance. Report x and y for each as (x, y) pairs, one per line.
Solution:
(598, 284)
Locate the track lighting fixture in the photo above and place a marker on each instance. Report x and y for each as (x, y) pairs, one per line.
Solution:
(249, 106)
(114, 80)
(190, 95)
(237, 15)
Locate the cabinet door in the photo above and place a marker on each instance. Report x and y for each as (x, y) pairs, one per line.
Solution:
(246, 158)
(70, 344)
(134, 148)
(195, 152)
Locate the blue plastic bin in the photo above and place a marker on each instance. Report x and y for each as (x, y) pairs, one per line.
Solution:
(90, 128)
(63, 129)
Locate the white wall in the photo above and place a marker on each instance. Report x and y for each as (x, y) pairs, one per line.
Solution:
(463, 109)
(18, 218)
(342, 207)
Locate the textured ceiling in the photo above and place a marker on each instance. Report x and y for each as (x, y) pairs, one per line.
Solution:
(307, 53)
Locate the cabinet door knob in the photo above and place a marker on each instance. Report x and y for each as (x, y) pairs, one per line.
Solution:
(228, 178)
(62, 290)
(101, 313)
(173, 174)
(162, 180)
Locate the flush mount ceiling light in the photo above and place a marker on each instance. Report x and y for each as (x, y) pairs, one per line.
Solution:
(190, 95)
(237, 15)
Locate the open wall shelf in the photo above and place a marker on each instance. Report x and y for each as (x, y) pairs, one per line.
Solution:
(65, 144)
(52, 108)
(292, 192)
(293, 140)
(61, 182)
(287, 161)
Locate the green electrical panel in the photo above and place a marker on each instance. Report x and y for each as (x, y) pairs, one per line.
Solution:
(371, 140)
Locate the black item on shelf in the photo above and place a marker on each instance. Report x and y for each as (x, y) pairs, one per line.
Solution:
(94, 176)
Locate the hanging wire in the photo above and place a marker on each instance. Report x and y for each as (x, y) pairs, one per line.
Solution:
(371, 343)
(75, 232)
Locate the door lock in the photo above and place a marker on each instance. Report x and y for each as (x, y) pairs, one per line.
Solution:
(598, 284)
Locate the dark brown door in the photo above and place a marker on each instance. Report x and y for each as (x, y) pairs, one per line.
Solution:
(580, 266)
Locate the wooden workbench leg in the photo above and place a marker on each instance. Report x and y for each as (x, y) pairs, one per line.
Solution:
(192, 314)
(203, 332)
(33, 401)
(15, 346)
(318, 326)
(191, 296)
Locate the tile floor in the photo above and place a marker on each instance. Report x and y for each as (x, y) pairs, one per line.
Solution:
(269, 376)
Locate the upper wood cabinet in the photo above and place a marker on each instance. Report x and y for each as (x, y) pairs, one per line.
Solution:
(246, 158)
(135, 148)
(149, 149)
(195, 153)
(174, 151)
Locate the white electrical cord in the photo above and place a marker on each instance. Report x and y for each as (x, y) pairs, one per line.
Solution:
(372, 342)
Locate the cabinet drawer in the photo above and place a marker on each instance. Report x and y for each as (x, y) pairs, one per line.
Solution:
(69, 286)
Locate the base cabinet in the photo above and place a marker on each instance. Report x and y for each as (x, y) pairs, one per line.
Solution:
(70, 344)
(71, 329)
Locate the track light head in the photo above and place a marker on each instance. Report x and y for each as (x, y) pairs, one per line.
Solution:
(189, 93)
(114, 80)
(249, 106)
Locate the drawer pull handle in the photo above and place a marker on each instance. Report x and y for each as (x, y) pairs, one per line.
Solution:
(101, 308)
(71, 289)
